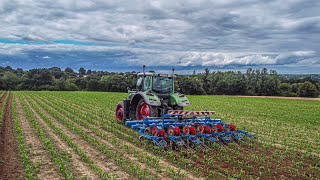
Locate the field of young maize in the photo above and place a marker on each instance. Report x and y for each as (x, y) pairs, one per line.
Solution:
(74, 135)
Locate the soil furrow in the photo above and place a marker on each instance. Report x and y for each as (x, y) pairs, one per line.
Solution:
(132, 158)
(163, 164)
(92, 153)
(10, 163)
(40, 158)
(81, 170)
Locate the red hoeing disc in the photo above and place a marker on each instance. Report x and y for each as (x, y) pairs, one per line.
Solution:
(207, 129)
(170, 131)
(232, 127)
(177, 131)
(219, 127)
(200, 128)
(193, 131)
(186, 130)
(154, 131)
(162, 133)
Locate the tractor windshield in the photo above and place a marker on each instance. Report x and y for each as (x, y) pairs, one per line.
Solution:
(162, 85)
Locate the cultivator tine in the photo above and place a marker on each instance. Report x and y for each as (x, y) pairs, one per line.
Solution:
(188, 149)
(187, 133)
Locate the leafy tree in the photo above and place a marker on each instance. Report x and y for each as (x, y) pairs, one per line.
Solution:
(57, 73)
(60, 84)
(272, 87)
(252, 82)
(9, 81)
(82, 72)
(71, 86)
(37, 79)
(117, 83)
(81, 83)
(308, 89)
(69, 70)
(93, 85)
(191, 85)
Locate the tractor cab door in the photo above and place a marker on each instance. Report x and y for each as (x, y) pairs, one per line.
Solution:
(143, 84)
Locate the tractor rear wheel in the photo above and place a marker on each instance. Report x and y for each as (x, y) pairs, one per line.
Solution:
(144, 109)
(120, 112)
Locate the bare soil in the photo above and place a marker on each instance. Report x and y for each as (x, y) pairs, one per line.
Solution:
(105, 164)
(39, 157)
(276, 162)
(253, 158)
(10, 162)
(80, 169)
(163, 163)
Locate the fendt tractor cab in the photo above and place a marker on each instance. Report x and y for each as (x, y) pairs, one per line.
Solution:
(153, 94)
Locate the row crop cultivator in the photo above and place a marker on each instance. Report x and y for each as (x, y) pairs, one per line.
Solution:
(155, 109)
(180, 129)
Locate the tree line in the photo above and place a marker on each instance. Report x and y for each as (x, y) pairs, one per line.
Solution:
(254, 82)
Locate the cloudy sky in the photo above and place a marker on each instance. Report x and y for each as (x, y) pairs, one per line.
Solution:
(123, 35)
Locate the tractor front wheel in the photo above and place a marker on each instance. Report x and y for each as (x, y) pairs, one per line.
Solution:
(145, 110)
(120, 112)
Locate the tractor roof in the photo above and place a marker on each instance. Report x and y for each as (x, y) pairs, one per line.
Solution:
(155, 74)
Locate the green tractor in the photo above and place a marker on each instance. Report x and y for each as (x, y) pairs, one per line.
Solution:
(153, 94)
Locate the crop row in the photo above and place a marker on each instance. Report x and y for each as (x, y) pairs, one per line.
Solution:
(23, 149)
(2, 108)
(114, 140)
(170, 154)
(83, 155)
(120, 131)
(95, 112)
(289, 123)
(55, 154)
(128, 166)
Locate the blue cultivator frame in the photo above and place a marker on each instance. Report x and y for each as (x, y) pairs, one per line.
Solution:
(178, 131)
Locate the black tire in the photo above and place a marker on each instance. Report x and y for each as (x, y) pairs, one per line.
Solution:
(154, 110)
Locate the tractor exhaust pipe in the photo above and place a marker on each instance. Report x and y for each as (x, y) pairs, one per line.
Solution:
(144, 73)
(173, 80)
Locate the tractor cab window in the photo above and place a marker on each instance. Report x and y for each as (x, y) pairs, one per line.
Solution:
(139, 83)
(144, 85)
(147, 81)
(162, 85)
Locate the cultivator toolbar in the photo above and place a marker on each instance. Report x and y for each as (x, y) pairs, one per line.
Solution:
(180, 129)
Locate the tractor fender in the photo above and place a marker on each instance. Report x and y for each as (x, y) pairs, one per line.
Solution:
(179, 99)
(151, 100)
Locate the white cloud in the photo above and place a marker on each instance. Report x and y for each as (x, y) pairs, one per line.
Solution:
(184, 33)
(154, 57)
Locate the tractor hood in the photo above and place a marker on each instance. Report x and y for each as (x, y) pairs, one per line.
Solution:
(179, 99)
